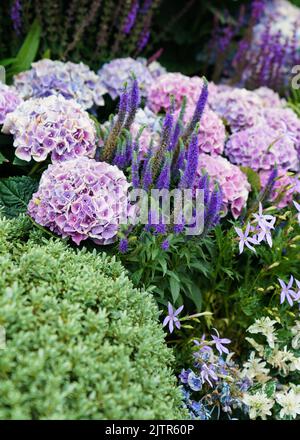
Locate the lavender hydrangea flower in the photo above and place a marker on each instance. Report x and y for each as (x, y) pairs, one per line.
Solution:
(261, 148)
(114, 74)
(9, 101)
(240, 108)
(212, 134)
(53, 126)
(72, 81)
(82, 199)
(233, 182)
(287, 293)
(171, 318)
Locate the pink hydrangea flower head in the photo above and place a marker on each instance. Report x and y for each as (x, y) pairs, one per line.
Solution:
(261, 148)
(51, 126)
(71, 80)
(82, 199)
(233, 182)
(240, 108)
(175, 84)
(284, 189)
(9, 101)
(212, 133)
(286, 122)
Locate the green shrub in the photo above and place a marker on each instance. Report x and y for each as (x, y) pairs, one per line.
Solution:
(81, 342)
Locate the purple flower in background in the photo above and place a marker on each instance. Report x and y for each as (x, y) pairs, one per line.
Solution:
(219, 343)
(131, 17)
(16, 16)
(245, 240)
(287, 293)
(171, 318)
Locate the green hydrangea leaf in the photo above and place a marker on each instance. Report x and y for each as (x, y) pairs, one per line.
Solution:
(15, 193)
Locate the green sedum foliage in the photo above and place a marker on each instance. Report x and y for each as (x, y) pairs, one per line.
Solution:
(81, 341)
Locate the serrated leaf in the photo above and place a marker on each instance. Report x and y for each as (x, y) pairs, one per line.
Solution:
(15, 194)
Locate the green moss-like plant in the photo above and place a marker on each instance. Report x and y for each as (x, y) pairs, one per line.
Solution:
(81, 342)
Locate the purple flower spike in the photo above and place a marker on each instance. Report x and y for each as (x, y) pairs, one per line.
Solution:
(287, 293)
(219, 343)
(171, 318)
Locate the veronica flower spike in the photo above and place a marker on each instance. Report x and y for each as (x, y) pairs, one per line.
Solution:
(245, 240)
(171, 318)
(287, 293)
(219, 343)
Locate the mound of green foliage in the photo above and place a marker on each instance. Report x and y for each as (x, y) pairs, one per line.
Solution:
(81, 342)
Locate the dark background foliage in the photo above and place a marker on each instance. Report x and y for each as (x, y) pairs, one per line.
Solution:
(180, 30)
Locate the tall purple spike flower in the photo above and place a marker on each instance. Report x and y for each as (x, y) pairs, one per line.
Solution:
(179, 166)
(188, 178)
(164, 143)
(175, 137)
(257, 9)
(131, 17)
(133, 104)
(163, 181)
(147, 178)
(213, 211)
(16, 16)
(198, 110)
(135, 170)
(143, 40)
(204, 185)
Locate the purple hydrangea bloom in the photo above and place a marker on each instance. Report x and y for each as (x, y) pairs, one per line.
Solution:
(53, 126)
(114, 74)
(82, 199)
(233, 182)
(72, 81)
(261, 148)
(240, 108)
(9, 101)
